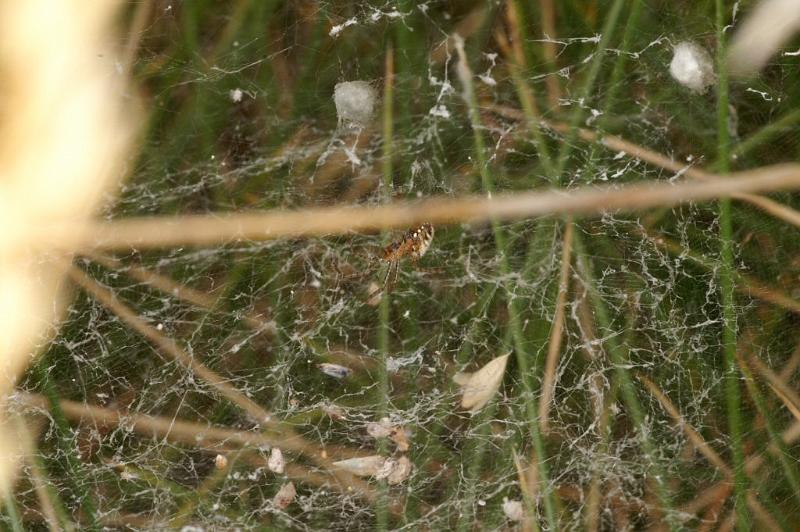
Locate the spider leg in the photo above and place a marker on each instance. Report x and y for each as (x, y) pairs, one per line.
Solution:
(383, 285)
(390, 286)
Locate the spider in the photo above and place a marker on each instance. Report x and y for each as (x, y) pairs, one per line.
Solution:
(413, 244)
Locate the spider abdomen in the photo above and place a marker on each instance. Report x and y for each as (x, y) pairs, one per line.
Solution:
(414, 243)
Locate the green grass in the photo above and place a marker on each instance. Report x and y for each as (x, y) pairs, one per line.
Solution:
(729, 325)
(677, 315)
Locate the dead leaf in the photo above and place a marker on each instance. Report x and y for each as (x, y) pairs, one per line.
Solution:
(513, 509)
(394, 471)
(400, 437)
(285, 496)
(276, 463)
(478, 388)
(385, 429)
(381, 429)
(400, 471)
(367, 466)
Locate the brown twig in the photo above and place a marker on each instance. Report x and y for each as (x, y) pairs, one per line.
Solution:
(170, 347)
(791, 365)
(465, 27)
(288, 439)
(178, 290)
(788, 397)
(712, 513)
(745, 284)
(694, 437)
(215, 229)
(209, 438)
(621, 145)
(705, 449)
(38, 475)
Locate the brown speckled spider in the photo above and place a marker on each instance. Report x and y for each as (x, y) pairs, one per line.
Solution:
(413, 244)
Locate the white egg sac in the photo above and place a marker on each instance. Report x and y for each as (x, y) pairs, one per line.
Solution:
(692, 67)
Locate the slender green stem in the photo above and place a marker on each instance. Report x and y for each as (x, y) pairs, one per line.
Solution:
(515, 323)
(476, 452)
(619, 64)
(620, 359)
(766, 133)
(76, 472)
(384, 310)
(13, 514)
(727, 288)
(588, 84)
(788, 467)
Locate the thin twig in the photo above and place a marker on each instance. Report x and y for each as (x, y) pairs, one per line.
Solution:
(170, 347)
(791, 365)
(694, 437)
(467, 26)
(515, 61)
(215, 229)
(788, 397)
(178, 290)
(620, 145)
(38, 477)
(209, 438)
(705, 449)
(548, 10)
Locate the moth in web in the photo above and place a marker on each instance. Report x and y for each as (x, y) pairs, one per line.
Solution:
(413, 244)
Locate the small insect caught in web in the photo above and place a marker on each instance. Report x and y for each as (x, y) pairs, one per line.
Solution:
(413, 244)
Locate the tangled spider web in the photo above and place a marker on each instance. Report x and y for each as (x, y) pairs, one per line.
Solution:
(178, 373)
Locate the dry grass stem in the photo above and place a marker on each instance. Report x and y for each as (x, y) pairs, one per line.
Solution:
(515, 57)
(631, 149)
(556, 332)
(212, 439)
(140, 17)
(791, 365)
(761, 513)
(789, 436)
(528, 485)
(289, 440)
(548, 10)
(170, 347)
(765, 30)
(216, 229)
(788, 397)
(712, 514)
(694, 437)
(712, 495)
(66, 129)
(37, 474)
(467, 26)
(745, 284)
(751, 465)
(177, 290)
(702, 446)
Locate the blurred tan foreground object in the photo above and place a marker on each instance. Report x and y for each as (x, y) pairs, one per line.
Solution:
(62, 140)
(766, 29)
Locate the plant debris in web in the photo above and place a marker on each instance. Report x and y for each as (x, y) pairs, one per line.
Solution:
(478, 388)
